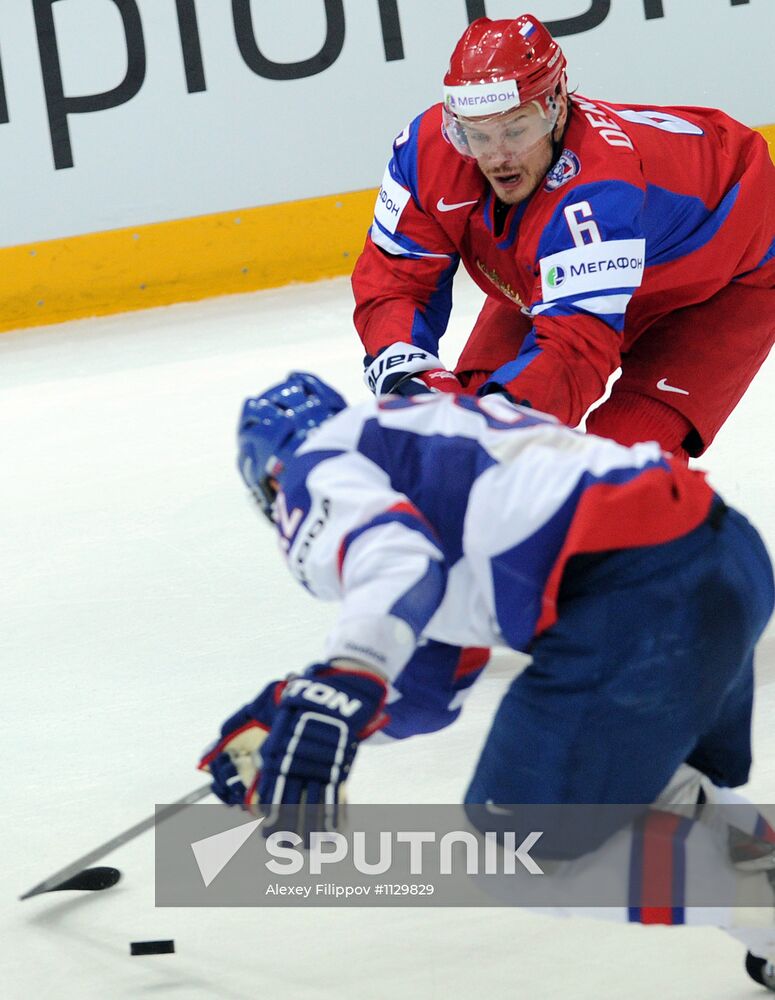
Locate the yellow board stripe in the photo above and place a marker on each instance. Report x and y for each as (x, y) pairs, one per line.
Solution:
(187, 259)
(182, 261)
(768, 131)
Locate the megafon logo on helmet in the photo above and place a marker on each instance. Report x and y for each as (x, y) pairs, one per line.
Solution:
(555, 277)
(482, 98)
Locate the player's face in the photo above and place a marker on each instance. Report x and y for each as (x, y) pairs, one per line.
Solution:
(514, 152)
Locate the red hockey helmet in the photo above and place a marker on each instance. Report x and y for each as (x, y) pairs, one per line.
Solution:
(498, 66)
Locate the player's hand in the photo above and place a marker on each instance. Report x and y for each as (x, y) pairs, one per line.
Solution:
(321, 718)
(234, 759)
(407, 370)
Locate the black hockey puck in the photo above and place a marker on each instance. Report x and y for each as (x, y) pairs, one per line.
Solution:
(152, 948)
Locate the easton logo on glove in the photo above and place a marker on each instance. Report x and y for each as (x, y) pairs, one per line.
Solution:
(322, 694)
(321, 718)
(296, 742)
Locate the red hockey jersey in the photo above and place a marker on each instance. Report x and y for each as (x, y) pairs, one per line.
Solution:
(646, 211)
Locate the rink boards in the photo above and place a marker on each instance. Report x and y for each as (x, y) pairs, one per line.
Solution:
(186, 260)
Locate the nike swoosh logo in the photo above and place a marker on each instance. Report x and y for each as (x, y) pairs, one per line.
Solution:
(444, 207)
(490, 806)
(662, 384)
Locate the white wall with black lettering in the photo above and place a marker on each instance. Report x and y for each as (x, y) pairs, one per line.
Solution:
(122, 112)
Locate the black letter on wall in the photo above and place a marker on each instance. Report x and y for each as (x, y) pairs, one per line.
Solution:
(597, 13)
(257, 61)
(192, 50)
(59, 106)
(391, 30)
(3, 102)
(655, 8)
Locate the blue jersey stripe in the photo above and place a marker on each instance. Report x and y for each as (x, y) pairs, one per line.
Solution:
(416, 462)
(572, 307)
(392, 517)
(430, 322)
(676, 225)
(409, 247)
(529, 352)
(522, 571)
(418, 605)
(403, 165)
(489, 206)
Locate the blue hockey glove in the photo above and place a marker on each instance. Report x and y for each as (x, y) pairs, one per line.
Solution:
(233, 760)
(321, 718)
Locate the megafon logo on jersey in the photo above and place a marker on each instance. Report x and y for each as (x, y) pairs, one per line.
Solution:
(555, 277)
(392, 199)
(592, 268)
(565, 169)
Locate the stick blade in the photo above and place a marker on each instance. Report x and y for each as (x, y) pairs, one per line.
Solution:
(90, 879)
(77, 875)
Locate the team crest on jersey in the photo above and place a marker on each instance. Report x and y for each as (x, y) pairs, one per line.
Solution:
(565, 169)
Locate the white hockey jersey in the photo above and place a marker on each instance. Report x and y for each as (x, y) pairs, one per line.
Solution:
(452, 518)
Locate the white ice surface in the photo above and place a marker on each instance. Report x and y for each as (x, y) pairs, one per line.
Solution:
(143, 601)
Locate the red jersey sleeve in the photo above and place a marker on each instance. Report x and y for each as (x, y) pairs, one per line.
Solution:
(402, 281)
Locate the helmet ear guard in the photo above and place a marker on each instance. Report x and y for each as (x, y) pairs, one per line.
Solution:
(274, 425)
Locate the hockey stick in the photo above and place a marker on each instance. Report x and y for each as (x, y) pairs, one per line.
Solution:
(76, 875)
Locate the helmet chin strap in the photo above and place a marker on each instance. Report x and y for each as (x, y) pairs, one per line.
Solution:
(551, 113)
(557, 143)
(551, 105)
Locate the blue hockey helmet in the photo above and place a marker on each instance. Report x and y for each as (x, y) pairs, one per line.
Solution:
(274, 424)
